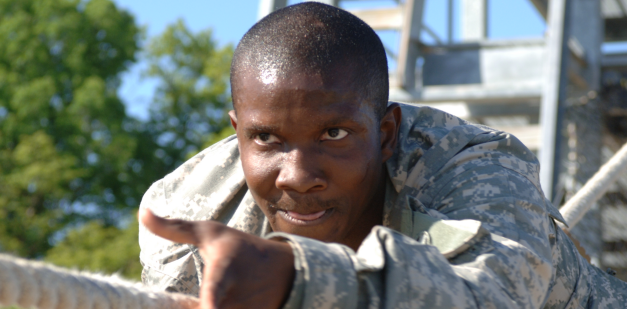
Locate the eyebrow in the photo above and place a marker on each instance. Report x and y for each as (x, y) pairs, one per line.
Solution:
(260, 128)
(256, 128)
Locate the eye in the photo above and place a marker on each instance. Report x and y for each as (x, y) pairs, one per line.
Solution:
(334, 134)
(266, 138)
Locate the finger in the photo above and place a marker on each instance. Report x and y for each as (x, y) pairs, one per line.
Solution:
(208, 297)
(175, 230)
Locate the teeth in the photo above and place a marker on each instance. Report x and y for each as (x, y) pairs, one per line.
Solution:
(308, 217)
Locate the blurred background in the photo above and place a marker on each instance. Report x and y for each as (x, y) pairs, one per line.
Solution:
(100, 98)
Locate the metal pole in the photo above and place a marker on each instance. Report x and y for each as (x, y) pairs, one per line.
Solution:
(329, 2)
(450, 21)
(268, 6)
(474, 20)
(554, 91)
(408, 51)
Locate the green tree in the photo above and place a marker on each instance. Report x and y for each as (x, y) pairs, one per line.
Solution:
(67, 148)
(72, 163)
(192, 99)
(96, 247)
(189, 105)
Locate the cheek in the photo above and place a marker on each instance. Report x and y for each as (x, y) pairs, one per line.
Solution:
(260, 171)
(356, 167)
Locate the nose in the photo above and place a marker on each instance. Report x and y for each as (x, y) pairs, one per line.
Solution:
(301, 172)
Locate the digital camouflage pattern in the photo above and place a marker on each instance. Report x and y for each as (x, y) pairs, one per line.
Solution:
(507, 252)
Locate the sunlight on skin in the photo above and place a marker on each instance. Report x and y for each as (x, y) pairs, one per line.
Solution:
(269, 76)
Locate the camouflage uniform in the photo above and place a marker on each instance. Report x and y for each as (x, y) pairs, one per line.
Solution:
(465, 225)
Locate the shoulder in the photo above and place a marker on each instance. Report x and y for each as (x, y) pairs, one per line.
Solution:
(431, 140)
(439, 154)
(222, 155)
(198, 183)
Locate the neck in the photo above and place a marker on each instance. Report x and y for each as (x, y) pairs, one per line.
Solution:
(370, 218)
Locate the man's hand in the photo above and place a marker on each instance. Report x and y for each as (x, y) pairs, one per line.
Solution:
(241, 270)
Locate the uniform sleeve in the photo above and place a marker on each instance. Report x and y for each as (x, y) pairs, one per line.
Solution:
(167, 266)
(510, 267)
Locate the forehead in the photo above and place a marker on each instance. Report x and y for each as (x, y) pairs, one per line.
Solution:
(271, 91)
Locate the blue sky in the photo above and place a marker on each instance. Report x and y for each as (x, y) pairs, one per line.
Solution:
(230, 19)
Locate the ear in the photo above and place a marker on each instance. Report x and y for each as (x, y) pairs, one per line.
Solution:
(390, 124)
(233, 116)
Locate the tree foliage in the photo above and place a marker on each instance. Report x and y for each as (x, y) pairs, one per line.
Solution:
(73, 165)
(96, 247)
(193, 97)
(65, 145)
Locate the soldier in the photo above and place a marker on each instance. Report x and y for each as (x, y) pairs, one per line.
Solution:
(331, 197)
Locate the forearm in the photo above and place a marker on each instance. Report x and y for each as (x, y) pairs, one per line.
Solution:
(168, 266)
(391, 270)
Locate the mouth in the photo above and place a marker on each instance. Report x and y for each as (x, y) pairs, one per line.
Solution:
(304, 219)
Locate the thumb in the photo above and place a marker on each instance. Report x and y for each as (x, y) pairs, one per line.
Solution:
(175, 230)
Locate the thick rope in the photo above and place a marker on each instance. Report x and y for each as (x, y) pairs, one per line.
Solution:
(30, 284)
(595, 188)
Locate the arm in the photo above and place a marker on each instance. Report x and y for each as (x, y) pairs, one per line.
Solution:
(390, 270)
(510, 268)
(241, 270)
(209, 186)
(168, 266)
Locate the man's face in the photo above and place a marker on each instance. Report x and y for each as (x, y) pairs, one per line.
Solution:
(312, 156)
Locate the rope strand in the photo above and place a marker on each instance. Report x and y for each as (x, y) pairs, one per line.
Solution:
(577, 206)
(31, 284)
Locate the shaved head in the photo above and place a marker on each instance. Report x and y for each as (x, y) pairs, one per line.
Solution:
(317, 40)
